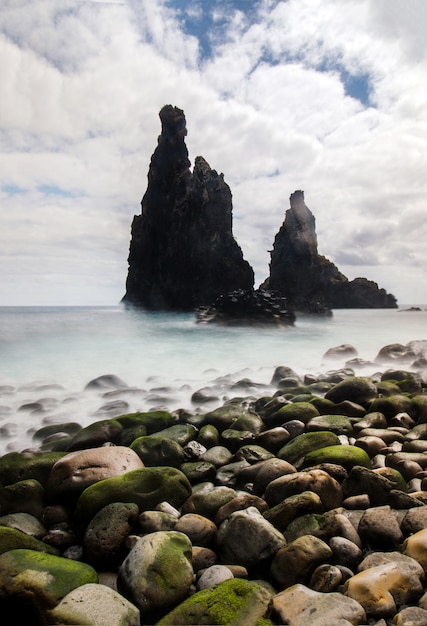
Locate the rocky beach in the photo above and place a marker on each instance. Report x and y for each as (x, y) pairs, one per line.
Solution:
(301, 501)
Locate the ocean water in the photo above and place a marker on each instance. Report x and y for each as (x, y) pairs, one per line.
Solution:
(49, 354)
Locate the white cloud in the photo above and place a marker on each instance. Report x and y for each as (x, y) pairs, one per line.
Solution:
(82, 84)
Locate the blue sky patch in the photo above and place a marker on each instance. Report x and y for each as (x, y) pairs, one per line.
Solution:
(12, 190)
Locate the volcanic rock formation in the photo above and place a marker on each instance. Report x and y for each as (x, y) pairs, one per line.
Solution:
(309, 281)
(182, 252)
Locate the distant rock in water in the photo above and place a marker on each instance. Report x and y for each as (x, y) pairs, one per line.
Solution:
(248, 307)
(309, 281)
(182, 252)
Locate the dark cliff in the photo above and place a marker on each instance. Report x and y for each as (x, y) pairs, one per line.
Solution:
(182, 252)
(309, 281)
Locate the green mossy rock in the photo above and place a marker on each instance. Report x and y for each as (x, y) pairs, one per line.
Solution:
(338, 424)
(157, 573)
(391, 405)
(324, 406)
(198, 471)
(154, 450)
(33, 582)
(153, 421)
(346, 456)
(16, 466)
(208, 501)
(419, 404)
(235, 601)
(224, 417)
(355, 389)
(295, 451)
(181, 433)
(293, 507)
(302, 411)
(12, 539)
(96, 434)
(208, 436)
(146, 487)
(25, 496)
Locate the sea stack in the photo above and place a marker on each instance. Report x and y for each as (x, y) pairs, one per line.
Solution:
(310, 282)
(182, 252)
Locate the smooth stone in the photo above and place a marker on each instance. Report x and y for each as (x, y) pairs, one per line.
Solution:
(253, 453)
(362, 480)
(356, 389)
(217, 455)
(301, 411)
(239, 503)
(200, 530)
(25, 496)
(155, 451)
(198, 471)
(181, 433)
(300, 606)
(379, 528)
(274, 438)
(228, 475)
(415, 546)
(270, 470)
(325, 578)
(235, 601)
(246, 538)
(96, 434)
(410, 616)
(95, 605)
(296, 562)
(153, 521)
(374, 419)
(344, 350)
(345, 552)
(106, 382)
(318, 481)
(414, 521)
(208, 436)
(157, 573)
(203, 558)
(33, 582)
(338, 424)
(213, 576)
(208, 501)
(24, 522)
(77, 470)
(105, 536)
(293, 507)
(382, 588)
(371, 445)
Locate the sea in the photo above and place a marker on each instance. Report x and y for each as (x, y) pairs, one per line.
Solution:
(160, 360)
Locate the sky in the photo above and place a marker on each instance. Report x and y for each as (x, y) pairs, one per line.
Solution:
(327, 96)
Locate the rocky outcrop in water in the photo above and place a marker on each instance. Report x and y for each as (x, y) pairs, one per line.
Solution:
(309, 281)
(248, 307)
(182, 251)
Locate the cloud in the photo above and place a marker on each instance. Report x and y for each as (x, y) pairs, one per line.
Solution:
(268, 103)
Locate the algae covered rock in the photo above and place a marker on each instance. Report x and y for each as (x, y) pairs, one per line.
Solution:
(344, 455)
(33, 582)
(355, 388)
(151, 421)
(12, 539)
(154, 450)
(295, 451)
(17, 466)
(235, 601)
(158, 572)
(247, 538)
(146, 487)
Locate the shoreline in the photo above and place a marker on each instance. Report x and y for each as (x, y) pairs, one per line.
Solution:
(326, 471)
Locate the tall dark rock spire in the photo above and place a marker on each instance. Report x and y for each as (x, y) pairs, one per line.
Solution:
(309, 281)
(182, 252)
